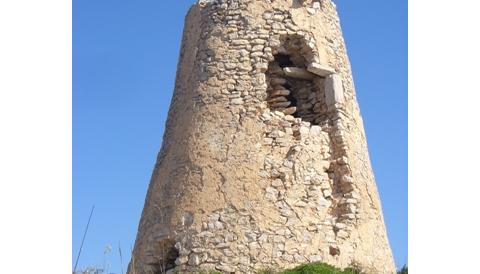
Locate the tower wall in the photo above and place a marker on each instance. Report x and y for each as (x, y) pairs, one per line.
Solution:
(264, 162)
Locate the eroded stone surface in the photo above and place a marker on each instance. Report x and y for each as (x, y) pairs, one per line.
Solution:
(259, 169)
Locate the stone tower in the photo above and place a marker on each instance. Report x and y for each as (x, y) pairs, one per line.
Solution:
(264, 161)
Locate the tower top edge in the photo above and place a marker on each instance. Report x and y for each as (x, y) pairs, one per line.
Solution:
(208, 2)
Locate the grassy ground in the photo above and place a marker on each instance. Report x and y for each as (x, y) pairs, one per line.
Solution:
(314, 268)
(321, 268)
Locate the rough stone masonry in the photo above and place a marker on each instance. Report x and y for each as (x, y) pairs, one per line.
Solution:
(264, 162)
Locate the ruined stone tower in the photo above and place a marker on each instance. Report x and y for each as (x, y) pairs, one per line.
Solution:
(264, 161)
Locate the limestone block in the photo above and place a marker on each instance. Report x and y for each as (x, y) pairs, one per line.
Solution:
(312, 11)
(320, 70)
(281, 104)
(261, 67)
(205, 2)
(304, 131)
(181, 260)
(238, 42)
(267, 15)
(333, 90)
(237, 101)
(267, 141)
(289, 131)
(347, 179)
(278, 81)
(315, 258)
(225, 268)
(290, 110)
(258, 42)
(299, 73)
(266, 116)
(280, 92)
(277, 99)
(316, 130)
(327, 193)
(194, 259)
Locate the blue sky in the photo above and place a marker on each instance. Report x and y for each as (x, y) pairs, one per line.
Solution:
(124, 62)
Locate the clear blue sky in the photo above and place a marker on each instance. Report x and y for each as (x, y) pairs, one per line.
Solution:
(124, 62)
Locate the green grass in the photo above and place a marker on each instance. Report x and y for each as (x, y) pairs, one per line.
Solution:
(322, 268)
(319, 268)
(313, 268)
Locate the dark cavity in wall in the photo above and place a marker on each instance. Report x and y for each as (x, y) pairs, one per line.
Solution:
(168, 254)
(291, 88)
